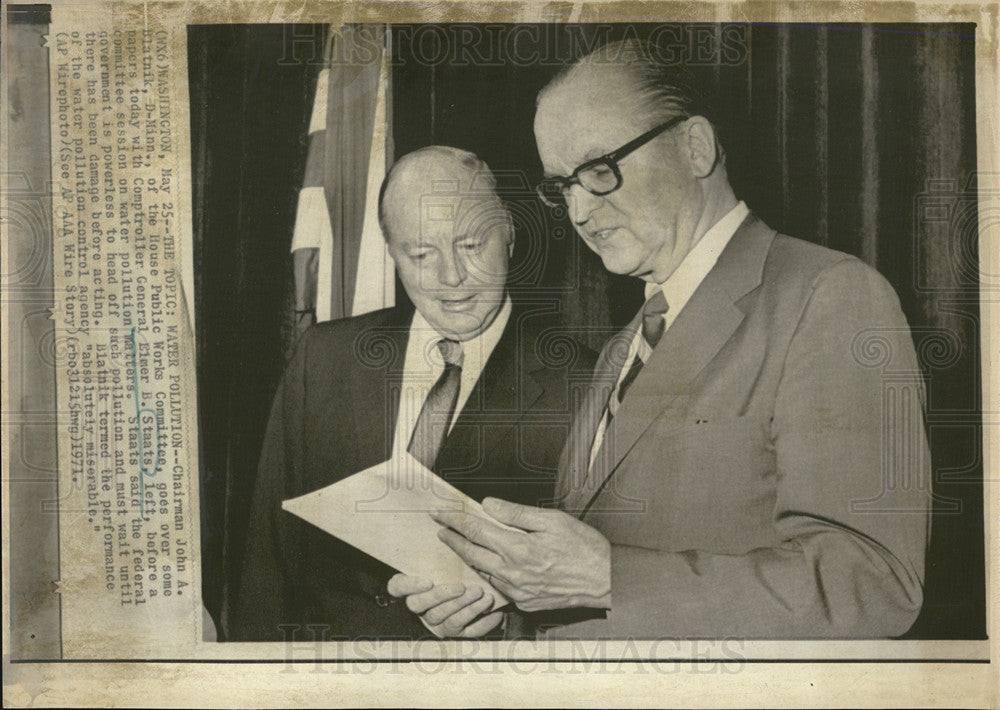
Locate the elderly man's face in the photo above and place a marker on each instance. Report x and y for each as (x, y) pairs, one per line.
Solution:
(645, 227)
(451, 253)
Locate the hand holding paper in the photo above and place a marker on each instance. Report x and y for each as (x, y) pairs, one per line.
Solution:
(559, 562)
(385, 510)
(448, 611)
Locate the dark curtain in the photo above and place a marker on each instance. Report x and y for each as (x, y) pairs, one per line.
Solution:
(861, 138)
(251, 90)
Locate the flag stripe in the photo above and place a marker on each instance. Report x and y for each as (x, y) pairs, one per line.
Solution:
(317, 121)
(371, 292)
(314, 176)
(312, 220)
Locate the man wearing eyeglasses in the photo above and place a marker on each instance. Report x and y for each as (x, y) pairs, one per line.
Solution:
(742, 466)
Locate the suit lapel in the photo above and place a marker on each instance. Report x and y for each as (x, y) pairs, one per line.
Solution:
(572, 491)
(707, 322)
(360, 370)
(506, 389)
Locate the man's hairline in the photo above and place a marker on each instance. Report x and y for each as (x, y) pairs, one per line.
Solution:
(648, 102)
(650, 106)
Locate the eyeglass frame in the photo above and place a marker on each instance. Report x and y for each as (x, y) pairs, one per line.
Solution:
(611, 160)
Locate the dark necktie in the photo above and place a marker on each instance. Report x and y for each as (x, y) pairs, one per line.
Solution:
(652, 330)
(439, 407)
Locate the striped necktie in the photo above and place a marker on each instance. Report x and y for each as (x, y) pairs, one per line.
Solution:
(653, 326)
(439, 407)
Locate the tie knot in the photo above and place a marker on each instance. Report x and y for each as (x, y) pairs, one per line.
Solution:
(652, 318)
(451, 352)
(656, 305)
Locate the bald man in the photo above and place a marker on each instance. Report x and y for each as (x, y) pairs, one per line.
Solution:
(461, 383)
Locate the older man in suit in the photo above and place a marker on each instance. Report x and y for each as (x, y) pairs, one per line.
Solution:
(738, 468)
(463, 384)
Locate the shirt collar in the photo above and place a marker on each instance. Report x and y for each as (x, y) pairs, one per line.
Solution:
(476, 351)
(684, 281)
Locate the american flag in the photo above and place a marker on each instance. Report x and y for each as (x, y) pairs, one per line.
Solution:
(342, 267)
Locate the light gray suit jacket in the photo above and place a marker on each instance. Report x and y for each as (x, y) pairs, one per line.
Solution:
(768, 473)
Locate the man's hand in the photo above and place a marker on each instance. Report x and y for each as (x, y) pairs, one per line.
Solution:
(449, 611)
(559, 562)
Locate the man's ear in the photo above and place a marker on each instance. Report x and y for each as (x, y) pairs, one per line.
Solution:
(699, 146)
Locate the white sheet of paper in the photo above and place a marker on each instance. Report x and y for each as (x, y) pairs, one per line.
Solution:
(384, 512)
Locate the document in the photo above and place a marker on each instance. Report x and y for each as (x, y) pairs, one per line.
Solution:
(384, 511)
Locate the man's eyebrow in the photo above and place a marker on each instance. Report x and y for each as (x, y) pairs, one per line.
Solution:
(588, 156)
(595, 153)
(550, 174)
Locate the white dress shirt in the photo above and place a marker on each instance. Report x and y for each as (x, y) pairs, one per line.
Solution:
(423, 365)
(679, 287)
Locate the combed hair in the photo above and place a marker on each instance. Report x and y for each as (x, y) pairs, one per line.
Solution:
(668, 90)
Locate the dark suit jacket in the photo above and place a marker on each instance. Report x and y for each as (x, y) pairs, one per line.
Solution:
(767, 474)
(335, 414)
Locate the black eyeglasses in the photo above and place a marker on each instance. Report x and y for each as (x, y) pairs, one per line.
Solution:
(599, 176)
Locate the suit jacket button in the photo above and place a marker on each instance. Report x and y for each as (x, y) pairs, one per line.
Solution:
(383, 599)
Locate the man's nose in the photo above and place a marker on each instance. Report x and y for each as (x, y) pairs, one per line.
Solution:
(581, 204)
(451, 271)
